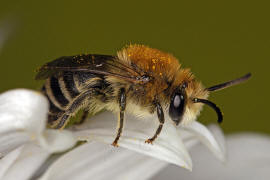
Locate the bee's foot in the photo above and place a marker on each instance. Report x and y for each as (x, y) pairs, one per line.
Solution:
(115, 144)
(149, 141)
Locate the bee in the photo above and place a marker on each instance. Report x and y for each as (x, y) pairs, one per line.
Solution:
(139, 80)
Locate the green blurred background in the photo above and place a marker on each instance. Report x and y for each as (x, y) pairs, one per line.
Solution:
(218, 40)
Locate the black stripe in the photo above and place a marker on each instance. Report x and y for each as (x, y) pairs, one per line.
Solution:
(53, 108)
(53, 117)
(56, 90)
(84, 76)
(70, 84)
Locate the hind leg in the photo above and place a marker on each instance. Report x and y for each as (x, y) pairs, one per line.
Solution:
(83, 117)
(74, 107)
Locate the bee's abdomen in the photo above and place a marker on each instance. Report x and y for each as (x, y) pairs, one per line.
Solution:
(61, 91)
(69, 85)
(54, 111)
(57, 93)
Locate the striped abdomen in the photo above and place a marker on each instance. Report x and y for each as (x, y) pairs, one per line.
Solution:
(62, 92)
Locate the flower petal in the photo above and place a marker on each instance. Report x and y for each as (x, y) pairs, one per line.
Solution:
(10, 141)
(168, 146)
(22, 162)
(7, 161)
(248, 158)
(94, 159)
(57, 140)
(23, 115)
(22, 109)
(206, 137)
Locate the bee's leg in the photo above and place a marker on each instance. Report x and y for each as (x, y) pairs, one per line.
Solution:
(76, 104)
(161, 122)
(84, 116)
(53, 119)
(122, 106)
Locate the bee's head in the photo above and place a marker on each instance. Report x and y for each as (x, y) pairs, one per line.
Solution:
(178, 103)
(182, 109)
(187, 99)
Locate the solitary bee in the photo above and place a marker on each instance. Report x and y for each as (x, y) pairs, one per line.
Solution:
(138, 80)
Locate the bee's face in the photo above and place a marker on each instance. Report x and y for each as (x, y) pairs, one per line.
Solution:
(177, 104)
(182, 109)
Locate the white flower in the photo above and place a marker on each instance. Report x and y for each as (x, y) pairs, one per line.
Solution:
(169, 145)
(26, 145)
(23, 117)
(100, 161)
(248, 158)
(91, 159)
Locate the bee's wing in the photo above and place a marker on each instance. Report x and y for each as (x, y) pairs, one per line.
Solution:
(97, 64)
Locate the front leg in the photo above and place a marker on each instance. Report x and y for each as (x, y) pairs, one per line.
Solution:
(161, 122)
(122, 107)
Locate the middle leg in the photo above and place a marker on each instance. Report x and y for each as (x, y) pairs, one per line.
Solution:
(122, 107)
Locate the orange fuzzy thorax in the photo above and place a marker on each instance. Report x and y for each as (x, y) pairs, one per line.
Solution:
(160, 65)
(164, 67)
(152, 60)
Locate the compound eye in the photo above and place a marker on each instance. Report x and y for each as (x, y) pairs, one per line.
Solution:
(177, 100)
(177, 107)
